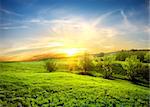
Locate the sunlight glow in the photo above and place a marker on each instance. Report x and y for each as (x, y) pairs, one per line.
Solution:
(72, 51)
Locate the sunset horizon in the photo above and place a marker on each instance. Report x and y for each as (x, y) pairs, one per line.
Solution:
(40, 27)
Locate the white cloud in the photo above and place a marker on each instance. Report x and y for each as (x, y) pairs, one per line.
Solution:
(104, 16)
(13, 27)
(10, 12)
(126, 23)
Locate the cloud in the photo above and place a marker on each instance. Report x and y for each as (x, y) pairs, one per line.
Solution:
(10, 12)
(38, 21)
(13, 27)
(124, 17)
(55, 44)
(102, 17)
(5, 24)
(75, 32)
(9, 22)
(126, 23)
(79, 32)
(40, 46)
(34, 21)
(147, 29)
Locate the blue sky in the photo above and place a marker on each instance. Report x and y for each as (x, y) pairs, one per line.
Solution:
(29, 26)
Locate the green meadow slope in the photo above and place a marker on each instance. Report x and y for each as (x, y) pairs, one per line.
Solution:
(27, 84)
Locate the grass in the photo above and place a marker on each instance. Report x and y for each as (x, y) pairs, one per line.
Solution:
(27, 67)
(28, 84)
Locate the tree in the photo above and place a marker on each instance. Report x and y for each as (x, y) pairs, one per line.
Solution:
(50, 65)
(86, 63)
(132, 66)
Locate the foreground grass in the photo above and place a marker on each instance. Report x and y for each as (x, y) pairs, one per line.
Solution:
(68, 90)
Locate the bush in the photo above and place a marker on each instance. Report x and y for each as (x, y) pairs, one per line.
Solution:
(118, 69)
(121, 56)
(100, 54)
(50, 65)
(140, 55)
(147, 57)
(99, 66)
(107, 67)
(144, 73)
(132, 66)
(86, 63)
(109, 58)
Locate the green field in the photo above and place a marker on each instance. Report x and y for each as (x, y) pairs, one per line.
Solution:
(28, 84)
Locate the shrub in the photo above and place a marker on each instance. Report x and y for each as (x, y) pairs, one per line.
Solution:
(132, 66)
(121, 56)
(100, 54)
(50, 65)
(73, 67)
(105, 67)
(118, 69)
(144, 73)
(140, 56)
(99, 66)
(109, 58)
(147, 57)
(86, 63)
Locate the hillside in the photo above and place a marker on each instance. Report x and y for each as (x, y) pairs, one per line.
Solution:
(27, 84)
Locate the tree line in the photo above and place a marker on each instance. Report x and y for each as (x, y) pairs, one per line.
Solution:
(133, 65)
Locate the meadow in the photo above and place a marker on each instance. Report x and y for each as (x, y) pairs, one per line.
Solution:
(30, 84)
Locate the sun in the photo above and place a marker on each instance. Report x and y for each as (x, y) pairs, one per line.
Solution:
(71, 52)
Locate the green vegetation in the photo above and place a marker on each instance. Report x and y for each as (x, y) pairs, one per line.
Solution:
(104, 81)
(86, 63)
(132, 66)
(66, 89)
(147, 57)
(122, 55)
(50, 65)
(107, 70)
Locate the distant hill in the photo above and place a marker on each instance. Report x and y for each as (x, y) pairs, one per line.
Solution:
(101, 54)
(51, 55)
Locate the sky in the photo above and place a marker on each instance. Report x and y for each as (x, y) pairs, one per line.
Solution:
(51, 26)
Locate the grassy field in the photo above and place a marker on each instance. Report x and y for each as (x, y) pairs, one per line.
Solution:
(29, 84)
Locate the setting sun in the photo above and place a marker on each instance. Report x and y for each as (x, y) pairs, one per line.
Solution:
(71, 52)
